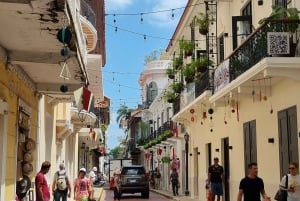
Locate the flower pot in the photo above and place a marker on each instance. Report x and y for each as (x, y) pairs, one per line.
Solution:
(203, 31)
(171, 76)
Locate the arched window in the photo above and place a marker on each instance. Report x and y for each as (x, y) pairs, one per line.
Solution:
(151, 92)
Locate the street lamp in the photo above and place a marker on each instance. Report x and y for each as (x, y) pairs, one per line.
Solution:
(186, 138)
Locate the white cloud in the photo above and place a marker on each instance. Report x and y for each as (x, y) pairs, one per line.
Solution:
(164, 19)
(117, 5)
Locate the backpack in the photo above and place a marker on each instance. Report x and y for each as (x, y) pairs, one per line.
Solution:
(61, 181)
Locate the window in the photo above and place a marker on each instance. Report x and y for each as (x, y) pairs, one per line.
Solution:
(151, 92)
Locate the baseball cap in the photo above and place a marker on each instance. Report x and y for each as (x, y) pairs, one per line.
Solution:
(82, 170)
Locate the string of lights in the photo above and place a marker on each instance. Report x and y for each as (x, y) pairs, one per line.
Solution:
(121, 85)
(145, 36)
(120, 73)
(151, 12)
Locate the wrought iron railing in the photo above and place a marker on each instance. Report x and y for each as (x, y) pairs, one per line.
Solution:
(204, 82)
(176, 105)
(256, 46)
(88, 12)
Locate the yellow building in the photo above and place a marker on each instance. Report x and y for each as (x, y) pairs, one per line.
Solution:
(44, 59)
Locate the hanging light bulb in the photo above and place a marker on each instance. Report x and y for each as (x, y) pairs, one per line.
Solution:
(173, 14)
(142, 18)
(115, 21)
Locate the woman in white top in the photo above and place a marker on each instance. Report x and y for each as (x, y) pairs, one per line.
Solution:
(293, 182)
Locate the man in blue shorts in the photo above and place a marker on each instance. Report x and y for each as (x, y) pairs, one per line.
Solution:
(216, 178)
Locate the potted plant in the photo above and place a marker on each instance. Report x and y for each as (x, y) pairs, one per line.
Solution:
(166, 159)
(291, 16)
(169, 96)
(177, 87)
(202, 21)
(170, 72)
(201, 64)
(187, 46)
(189, 73)
(280, 13)
(177, 62)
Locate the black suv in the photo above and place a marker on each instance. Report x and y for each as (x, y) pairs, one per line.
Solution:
(134, 180)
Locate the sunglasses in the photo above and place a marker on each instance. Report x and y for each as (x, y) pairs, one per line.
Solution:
(291, 168)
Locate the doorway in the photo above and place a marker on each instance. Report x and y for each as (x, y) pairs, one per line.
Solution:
(288, 138)
(226, 165)
(196, 172)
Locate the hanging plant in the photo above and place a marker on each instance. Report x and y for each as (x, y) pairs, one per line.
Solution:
(177, 63)
(169, 96)
(189, 73)
(202, 21)
(166, 159)
(171, 73)
(177, 87)
(187, 46)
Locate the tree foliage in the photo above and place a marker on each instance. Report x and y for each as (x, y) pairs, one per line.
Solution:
(115, 152)
(123, 113)
(154, 55)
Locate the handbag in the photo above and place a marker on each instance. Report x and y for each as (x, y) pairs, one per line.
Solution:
(281, 195)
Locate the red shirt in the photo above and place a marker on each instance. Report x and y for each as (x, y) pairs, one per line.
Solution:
(41, 179)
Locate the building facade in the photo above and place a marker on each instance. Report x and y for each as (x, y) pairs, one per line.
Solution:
(45, 58)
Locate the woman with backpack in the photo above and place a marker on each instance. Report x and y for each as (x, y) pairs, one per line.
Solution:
(82, 186)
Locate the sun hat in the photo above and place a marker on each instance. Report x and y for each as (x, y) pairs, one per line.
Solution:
(27, 168)
(29, 145)
(28, 157)
(82, 170)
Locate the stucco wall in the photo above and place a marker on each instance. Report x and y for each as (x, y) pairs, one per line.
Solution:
(11, 89)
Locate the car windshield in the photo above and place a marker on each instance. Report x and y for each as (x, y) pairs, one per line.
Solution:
(133, 171)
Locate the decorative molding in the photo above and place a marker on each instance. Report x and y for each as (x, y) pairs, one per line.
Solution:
(22, 75)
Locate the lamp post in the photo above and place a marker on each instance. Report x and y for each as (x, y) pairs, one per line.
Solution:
(186, 138)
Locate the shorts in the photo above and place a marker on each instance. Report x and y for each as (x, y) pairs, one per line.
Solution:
(217, 188)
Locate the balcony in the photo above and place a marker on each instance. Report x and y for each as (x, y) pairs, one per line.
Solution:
(88, 24)
(255, 60)
(271, 52)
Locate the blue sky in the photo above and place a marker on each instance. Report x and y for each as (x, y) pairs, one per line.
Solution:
(126, 48)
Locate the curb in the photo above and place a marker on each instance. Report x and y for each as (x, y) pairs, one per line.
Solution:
(163, 194)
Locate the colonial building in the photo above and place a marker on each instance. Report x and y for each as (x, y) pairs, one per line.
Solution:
(45, 57)
(242, 106)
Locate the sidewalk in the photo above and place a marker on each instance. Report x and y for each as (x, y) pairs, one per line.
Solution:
(170, 195)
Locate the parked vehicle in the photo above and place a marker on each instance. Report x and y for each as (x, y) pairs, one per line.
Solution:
(135, 180)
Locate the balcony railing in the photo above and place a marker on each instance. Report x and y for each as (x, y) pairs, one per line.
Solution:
(269, 40)
(275, 38)
(205, 82)
(88, 12)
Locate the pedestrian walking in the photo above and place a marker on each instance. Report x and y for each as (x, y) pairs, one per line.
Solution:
(82, 186)
(61, 187)
(93, 178)
(252, 186)
(174, 181)
(41, 185)
(216, 178)
(293, 188)
(117, 186)
(157, 177)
